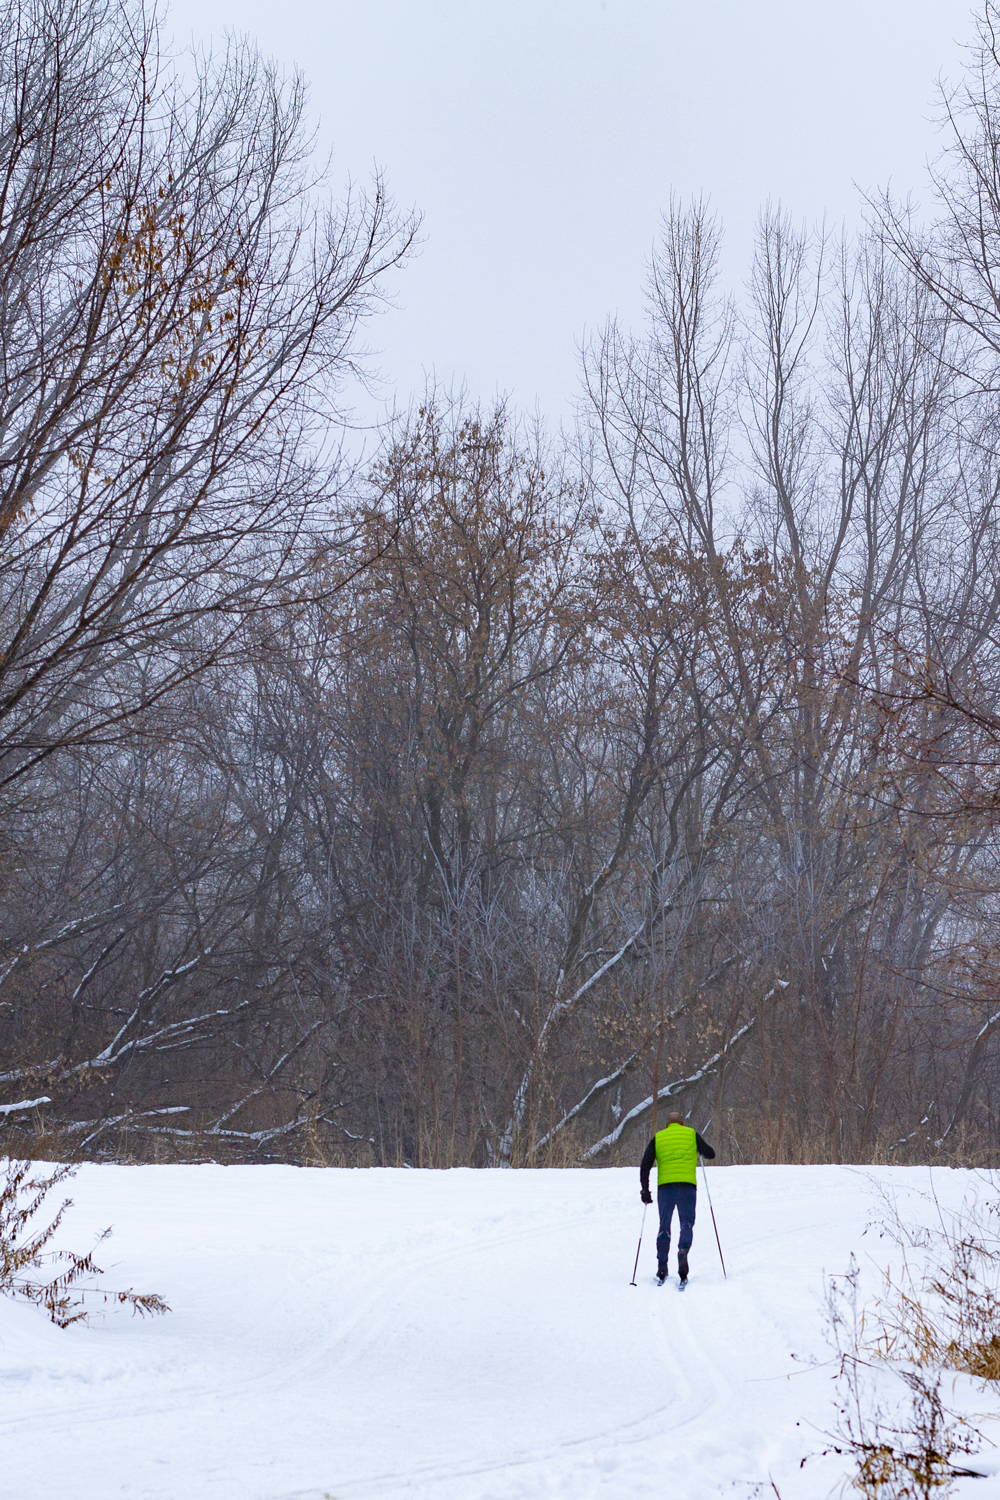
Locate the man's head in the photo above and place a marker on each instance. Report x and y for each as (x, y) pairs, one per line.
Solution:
(675, 1119)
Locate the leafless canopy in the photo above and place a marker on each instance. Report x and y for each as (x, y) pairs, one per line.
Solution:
(485, 805)
(178, 306)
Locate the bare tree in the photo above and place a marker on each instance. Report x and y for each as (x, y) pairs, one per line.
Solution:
(178, 309)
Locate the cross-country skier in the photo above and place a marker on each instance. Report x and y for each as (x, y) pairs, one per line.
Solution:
(675, 1150)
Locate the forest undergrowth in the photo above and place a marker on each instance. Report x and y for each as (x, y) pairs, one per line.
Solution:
(65, 1284)
(899, 1358)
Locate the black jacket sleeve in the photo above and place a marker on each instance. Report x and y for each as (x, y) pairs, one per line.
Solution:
(704, 1148)
(646, 1165)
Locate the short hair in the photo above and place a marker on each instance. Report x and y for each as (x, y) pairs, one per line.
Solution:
(675, 1119)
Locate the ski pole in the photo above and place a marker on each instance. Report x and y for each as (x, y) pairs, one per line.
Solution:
(704, 1178)
(642, 1226)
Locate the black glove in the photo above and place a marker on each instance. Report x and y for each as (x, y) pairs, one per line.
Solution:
(645, 1195)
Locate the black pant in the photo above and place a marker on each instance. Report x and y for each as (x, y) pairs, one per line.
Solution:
(682, 1196)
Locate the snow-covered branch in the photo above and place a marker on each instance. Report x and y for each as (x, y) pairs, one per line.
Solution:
(600, 1087)
(603, 1084)
(130, 1118)
(71, 929)
(271, 1074)
(183, 1033)
(22, 1104)
(669, 1091)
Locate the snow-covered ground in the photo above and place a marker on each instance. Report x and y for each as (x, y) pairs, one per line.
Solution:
(462, 1335)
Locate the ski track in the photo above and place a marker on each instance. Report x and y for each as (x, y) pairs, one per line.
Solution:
(462, 1336)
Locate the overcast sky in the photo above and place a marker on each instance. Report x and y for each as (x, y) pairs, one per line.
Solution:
(540, 139)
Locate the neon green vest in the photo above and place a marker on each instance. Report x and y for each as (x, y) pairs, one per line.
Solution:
(676, 1155)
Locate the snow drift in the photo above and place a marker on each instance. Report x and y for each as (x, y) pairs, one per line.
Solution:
(464, 1335)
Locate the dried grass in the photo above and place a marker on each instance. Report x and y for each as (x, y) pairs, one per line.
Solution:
(946, 1315)
(904, 1449)
(23, 1252)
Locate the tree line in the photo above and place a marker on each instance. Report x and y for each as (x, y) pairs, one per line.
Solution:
(479, 804)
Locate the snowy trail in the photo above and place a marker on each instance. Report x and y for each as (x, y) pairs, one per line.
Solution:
(462, 1335)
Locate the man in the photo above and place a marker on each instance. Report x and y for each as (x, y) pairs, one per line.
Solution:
(675, 1151)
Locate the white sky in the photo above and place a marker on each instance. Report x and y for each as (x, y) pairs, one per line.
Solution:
(541, 139)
